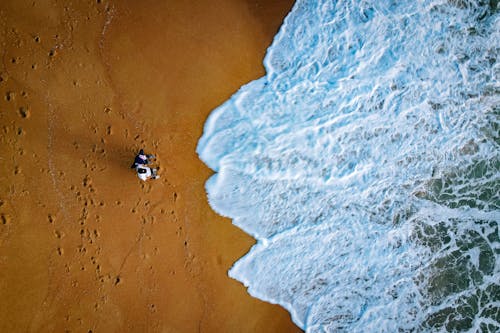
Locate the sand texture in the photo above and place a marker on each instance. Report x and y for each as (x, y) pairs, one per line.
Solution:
(85, 246)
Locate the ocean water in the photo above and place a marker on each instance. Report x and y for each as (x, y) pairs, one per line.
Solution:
(366, 164)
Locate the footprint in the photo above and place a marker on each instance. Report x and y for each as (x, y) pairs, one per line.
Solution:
(5, 219)
(9, 96)
(86, 181)
(118, 280)
(24, 112)
(51, 218)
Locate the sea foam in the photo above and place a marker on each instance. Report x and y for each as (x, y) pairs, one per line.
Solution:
(366, 164)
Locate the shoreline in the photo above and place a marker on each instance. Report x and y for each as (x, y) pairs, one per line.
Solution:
(86, 246)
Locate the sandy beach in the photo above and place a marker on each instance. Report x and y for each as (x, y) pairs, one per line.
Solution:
(85, 246)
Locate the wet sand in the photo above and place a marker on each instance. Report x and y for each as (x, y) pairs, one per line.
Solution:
(85, 246)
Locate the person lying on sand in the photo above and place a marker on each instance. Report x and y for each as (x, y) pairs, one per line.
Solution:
(144, 172)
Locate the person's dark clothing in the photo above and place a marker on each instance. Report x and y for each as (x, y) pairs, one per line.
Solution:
(140, 159)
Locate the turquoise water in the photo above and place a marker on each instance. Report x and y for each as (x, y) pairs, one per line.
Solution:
(366, 164)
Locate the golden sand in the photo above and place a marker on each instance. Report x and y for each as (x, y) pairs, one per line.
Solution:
(85, 246)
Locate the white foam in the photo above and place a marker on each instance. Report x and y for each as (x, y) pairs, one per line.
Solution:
(332, 161)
